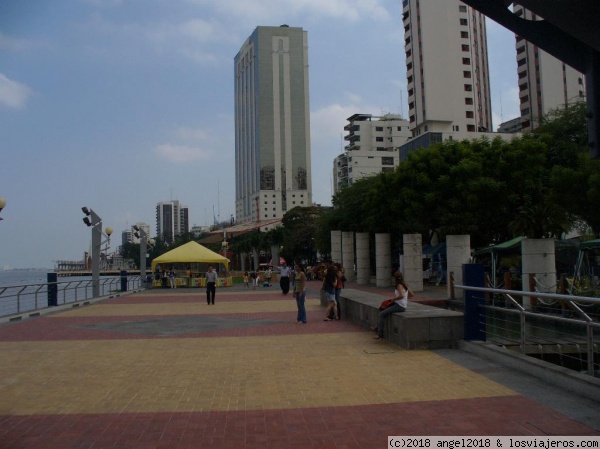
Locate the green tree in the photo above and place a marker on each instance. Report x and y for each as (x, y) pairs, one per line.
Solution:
(300, 228)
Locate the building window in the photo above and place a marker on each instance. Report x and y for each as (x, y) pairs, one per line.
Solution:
(409, 66)
(387, 161)
(467, 61)
(468, 87)
(379, 128)
(471, 128)
(462, 8)
(468, 100)
(464, 47)
(464, 34)
(469, 114)
(464, 22)
(521, 62)
(467, 74)
(379, 139)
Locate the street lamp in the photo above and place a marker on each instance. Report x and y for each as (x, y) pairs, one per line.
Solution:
(144, 243)
(92, 220)
(2, 204)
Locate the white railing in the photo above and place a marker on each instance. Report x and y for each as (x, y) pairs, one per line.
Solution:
(32, 298)
(532, 327)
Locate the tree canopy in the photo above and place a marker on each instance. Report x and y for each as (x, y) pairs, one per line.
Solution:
(537, 185)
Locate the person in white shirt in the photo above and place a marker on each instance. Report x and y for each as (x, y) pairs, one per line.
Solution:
(284, 278)
(211, 283)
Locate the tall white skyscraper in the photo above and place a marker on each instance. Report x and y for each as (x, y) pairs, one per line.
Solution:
(545, 82)
(447, 67)
(172, 219)
(272, 124)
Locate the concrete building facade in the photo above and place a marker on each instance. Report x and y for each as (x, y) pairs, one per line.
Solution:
(545, 82)
(374, 144)
(447, 67)
(172, 219)
(272, 124)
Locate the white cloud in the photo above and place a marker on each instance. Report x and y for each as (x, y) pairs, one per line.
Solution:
(282, 10)
(182, 153)
(13, 94)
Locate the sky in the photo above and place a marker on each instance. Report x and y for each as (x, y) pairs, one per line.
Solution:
(117, 105)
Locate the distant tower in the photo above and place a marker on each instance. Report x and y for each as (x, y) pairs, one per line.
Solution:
(447, 67)
(272, 124)
(172, 219)
(545, 82)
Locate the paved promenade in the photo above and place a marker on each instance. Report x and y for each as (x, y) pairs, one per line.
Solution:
(162, 369)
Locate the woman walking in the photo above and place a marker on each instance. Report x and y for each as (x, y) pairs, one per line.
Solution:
(400, 303)
(300, 292)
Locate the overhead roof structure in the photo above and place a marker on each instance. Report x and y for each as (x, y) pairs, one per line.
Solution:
(569, 32)
(238, 229)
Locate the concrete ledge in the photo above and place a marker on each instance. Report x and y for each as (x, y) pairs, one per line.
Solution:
(420, 327)
(579, 383)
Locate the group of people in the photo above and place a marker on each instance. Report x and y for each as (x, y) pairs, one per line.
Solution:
(333, 282)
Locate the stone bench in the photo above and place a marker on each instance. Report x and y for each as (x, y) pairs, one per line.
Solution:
(420, 327)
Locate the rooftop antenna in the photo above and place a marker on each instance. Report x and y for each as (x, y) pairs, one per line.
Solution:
(501, 113)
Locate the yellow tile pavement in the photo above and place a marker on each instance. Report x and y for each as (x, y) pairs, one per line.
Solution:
(225, 373)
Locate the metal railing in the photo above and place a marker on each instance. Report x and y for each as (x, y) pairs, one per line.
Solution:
(553, 326)
(18, 299)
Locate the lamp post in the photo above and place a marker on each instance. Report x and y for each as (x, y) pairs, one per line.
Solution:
(144, 243)
(96, 224)
(2, 204)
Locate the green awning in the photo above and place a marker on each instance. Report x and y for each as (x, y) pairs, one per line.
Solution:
(510, 244)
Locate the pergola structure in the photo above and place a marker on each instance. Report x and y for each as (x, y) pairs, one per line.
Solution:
(569, 32)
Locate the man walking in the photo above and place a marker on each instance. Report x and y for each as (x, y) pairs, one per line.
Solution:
(284, 278)
(211, 283)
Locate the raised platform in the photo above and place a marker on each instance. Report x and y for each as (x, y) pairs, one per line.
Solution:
(420, 327)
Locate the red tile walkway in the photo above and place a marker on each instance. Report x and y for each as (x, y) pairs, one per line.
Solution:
(162, 369)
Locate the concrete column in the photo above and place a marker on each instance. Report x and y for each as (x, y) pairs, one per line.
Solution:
(538, 258)
(458, 251)
(363, 259)
(413, 261)
(242, 258)
(255, 256)
(275, 255)
(348, 255)
(336, 246)
(383, 260)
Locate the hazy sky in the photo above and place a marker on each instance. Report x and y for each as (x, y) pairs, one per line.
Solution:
(119, 104)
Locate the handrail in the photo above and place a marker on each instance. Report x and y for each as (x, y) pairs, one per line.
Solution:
(571, 300)
(18, 299)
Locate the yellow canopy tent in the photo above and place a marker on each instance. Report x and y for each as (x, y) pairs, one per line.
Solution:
(191, 252)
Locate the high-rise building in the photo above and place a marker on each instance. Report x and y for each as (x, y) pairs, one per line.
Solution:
(172, 219)
(447, 67)
(272, 124)
(374, 144)
(545, 82)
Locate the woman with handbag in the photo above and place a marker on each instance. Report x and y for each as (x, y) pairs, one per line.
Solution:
(400, 303)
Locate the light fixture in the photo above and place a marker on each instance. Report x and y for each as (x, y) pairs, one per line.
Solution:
(92, 220)
(2, 204)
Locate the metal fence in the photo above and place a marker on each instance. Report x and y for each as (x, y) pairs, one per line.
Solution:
(562, 329)
(32, 298)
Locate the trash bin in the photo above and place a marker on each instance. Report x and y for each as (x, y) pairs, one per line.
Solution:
(123, 281)
(52, 289)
